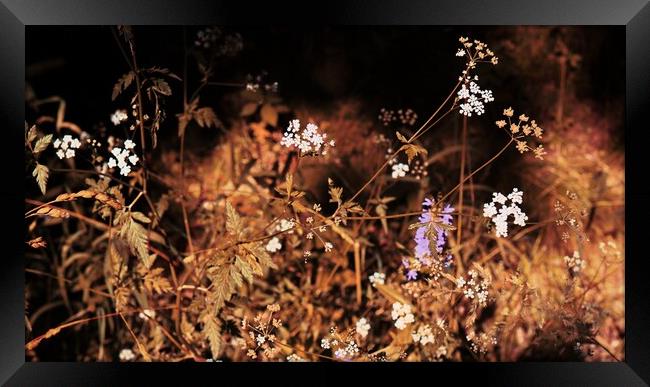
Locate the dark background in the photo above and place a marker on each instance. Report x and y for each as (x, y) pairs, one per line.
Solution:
(381, 66)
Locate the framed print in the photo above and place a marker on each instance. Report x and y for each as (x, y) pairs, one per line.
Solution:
(378, 191)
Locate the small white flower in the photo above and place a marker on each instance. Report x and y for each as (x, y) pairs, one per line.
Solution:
(260, 339)
(285, 225)
(128, 144)
(328, 247)
(119, 116)
(377, 278)
(489, 210)
(147, 313)
(399, 170)
(127, 354)
(294, 358)
(125, 171)
(66, 147)
(402, 315)
(121, 155)
(273, 245)
(363, 327)
(575, 263)
(473, 99)
(460, 52)
(424, 335)
(325, 343)
(308, 140)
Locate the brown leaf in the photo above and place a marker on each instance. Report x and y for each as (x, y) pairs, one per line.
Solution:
(41, 173)
(42, 143)
(269, 115)
(248, 109)
(122, 84)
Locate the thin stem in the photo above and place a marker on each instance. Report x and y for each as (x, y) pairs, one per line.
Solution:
(462, 180)
(478, 169)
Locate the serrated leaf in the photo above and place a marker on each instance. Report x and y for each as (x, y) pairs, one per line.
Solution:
(139, 216)
(206, 117)
(135, 236)
(42, 143)
(412, 150)
(162, 87)
(41, 173)
(155, 282)
(187, 115)
(245, 270)
(222, 286)
(165, 71)
(269, 115)
(122, 84)
(233, 221)
(212, 332)
(31, 134)
(335, 194)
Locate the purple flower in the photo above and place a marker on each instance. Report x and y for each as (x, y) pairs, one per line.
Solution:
(427, 202)
(411, 275)
(422, 247)
(422, 243)
(445, 216)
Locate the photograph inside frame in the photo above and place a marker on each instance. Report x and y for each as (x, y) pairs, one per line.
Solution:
(418, 194)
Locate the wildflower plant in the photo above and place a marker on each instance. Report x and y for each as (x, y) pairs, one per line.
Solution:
(500, 216)
(431, 232)
(255, 251)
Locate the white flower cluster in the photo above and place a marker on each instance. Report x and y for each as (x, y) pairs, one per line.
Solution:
(377, 278)
(480, 343)
(273, 245)
(66, 146)
(363, 327)
(575, 263)
(402, 315)
(286, 225)
(326, 343)
(399, 170)
(295, 358)
(500, 217)
(121, 156)
(348, 352)
(308, 140)
(119, 116)
(472, 99)
(424, 335)
(127, 354)
(473, 288)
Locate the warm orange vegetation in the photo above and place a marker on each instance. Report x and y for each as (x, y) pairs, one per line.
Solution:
(366, 237)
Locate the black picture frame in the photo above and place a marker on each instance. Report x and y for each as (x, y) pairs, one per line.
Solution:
(634, 15)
